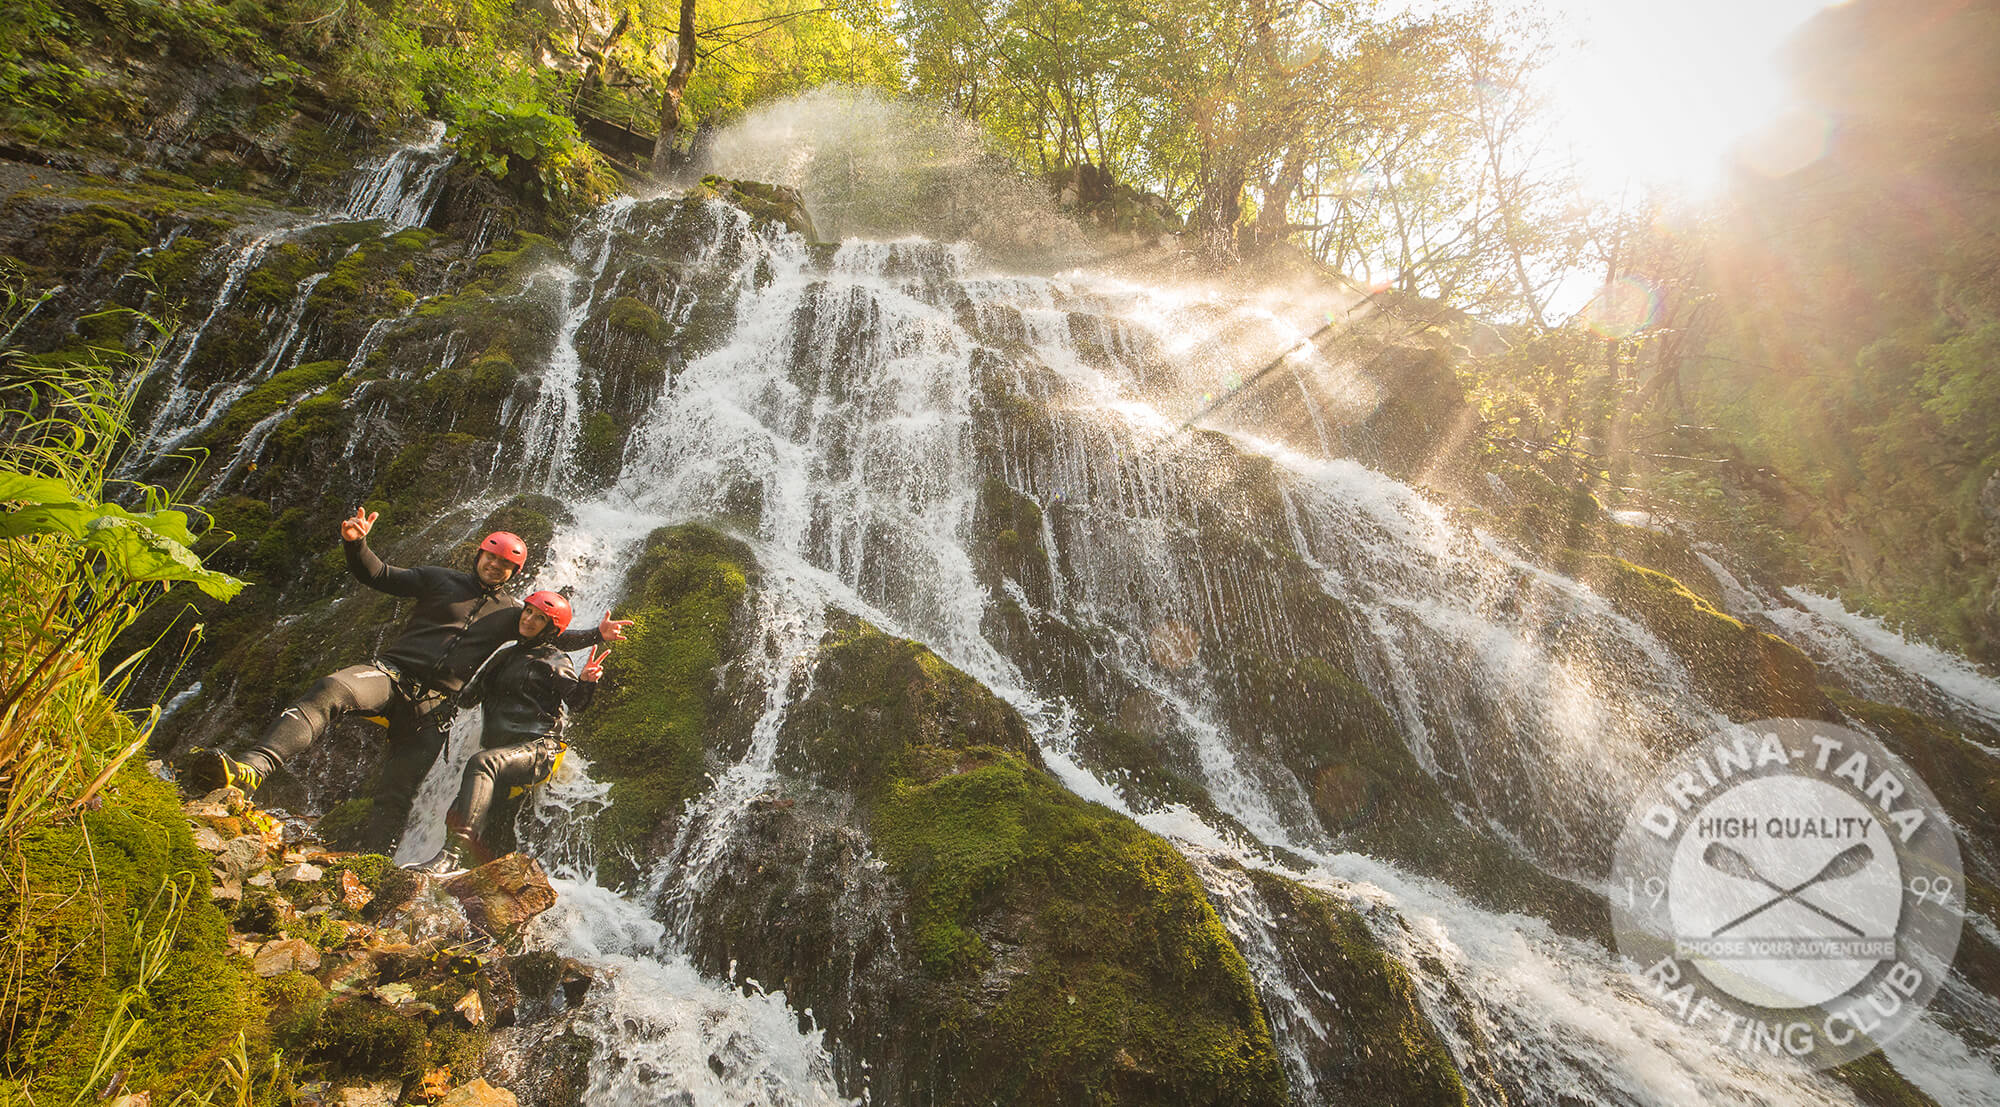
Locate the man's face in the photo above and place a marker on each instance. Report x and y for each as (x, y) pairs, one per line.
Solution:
(533, 623)
(491, 570)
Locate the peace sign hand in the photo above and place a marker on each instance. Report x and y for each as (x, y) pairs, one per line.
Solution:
(594, 666)
(356, 528)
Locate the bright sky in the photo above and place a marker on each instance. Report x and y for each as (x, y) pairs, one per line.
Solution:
(1657, 90)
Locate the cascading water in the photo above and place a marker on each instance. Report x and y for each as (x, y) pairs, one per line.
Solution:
(400, 189)
(847, 426)
(845, 403)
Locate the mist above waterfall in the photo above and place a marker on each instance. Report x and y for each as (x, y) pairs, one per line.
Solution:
(875, 166)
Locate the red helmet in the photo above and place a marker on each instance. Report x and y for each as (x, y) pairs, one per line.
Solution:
(507, 547)
(554, 606)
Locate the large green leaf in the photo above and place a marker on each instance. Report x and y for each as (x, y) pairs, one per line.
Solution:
(139, 546)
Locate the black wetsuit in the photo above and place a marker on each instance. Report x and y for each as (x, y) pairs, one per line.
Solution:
(455, 626)
(528, 692)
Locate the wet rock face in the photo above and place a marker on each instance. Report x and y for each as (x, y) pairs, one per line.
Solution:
(963, 927)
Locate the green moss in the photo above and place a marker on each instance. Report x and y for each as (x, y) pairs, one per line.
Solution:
(878, 702)
(602, 445)
(1385, 1048)
(1334, 736)
(1119, 985)
(343, 826)
(765, 203)
(427, 474)
(660, 700)
(265, 399)
(95, 894)
(1134, 991)
(321, 418)
(362, 1037)
(295, 1002)
(99, 227)
(275, 281)
(172, 267)
(635, 318)
(1747, 673)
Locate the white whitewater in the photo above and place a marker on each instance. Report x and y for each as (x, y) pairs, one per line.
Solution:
(861, 403)
(866, 460)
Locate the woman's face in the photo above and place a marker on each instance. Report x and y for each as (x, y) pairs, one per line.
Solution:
(533, 623)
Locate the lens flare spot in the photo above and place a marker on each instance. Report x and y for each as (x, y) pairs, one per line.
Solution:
(1173, 645)
(1624, 308)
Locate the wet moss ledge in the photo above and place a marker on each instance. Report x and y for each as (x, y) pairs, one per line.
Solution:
(1747, 673)
(661, 704)
(1378, 1047)
(766, 203)
(87, 897)
(1069, 955)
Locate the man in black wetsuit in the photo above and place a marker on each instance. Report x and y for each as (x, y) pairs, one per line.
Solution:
(529, 692)
(459, 619)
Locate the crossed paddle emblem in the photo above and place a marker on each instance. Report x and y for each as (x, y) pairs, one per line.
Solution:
(1841, 865)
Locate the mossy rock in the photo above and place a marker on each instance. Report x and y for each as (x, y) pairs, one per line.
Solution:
(429, 474)
(663, 701)
(266, 399)
(1378, 1045)
(1064, 954)
(766, 203)
(95, 893)
(1131, 991)
(601, 446)
(1333, 735)
(1745, 672)
(879, 701)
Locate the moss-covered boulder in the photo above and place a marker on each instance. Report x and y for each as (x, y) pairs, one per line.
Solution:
(1745, 672)
(663, 702)
(1372, 1040)
(766, 203)
(116, 932)
(1022, 945)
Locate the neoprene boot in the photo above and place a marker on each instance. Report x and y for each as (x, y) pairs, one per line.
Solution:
(205, 770)
(451, 860)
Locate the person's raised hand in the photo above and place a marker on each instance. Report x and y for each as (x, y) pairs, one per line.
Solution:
(612, 630)
(594, 666)
(356, 527)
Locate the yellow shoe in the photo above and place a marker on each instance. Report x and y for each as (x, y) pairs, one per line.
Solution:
(206, 770)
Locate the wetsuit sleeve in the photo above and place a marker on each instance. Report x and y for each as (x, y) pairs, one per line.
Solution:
(577, 696)
(380, 575)
(570, 641)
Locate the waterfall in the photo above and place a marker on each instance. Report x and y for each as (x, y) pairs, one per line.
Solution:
(853, 406)
(401, 187)
(861, 404)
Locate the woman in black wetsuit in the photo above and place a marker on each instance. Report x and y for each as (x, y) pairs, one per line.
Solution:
(529, 691)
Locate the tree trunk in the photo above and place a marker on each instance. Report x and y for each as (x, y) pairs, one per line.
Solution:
(1273, 219)
(670, 101)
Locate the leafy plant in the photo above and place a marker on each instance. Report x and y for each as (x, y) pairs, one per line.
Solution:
(75, 571)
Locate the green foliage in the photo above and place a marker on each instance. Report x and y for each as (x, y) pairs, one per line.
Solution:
(499, 133)
(77, 571)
